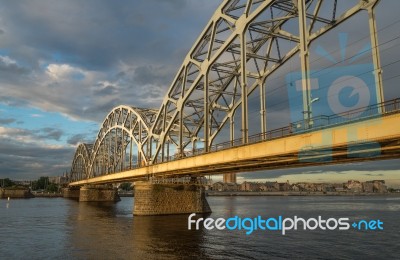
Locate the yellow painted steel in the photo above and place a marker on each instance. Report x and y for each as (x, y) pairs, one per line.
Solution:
(374, 130)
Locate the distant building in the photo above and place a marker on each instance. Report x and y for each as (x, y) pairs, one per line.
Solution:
(378, 186)
(271, 186)
(284, 186)
(231, 187)
(296, 187)
(229, 178)
(339, 187)
(23, 183)
(58, 180)
(329, 187)
(218, 186)
(368, 187)
(354, 186)
(250, 186)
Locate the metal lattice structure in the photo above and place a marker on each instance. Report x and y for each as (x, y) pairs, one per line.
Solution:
(244, 43)
(81, 162)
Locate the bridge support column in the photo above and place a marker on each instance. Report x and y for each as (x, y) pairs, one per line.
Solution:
(98, 193)
(71, 192)
(168, 199)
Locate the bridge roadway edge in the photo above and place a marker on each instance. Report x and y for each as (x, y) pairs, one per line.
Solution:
(271, 154)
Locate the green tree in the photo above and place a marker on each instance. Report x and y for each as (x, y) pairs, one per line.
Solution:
(52, 187)
(40, 184)
(4, 183)
(126, 186)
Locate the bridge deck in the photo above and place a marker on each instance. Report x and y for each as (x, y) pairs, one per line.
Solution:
(372, 139)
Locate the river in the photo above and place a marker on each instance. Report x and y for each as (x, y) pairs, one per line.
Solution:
(57, 228)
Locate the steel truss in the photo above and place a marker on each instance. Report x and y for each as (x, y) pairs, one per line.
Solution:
(244, 42)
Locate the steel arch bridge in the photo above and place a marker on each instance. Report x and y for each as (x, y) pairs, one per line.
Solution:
(243, 44)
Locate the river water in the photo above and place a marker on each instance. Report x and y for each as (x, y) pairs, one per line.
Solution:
(57, 228)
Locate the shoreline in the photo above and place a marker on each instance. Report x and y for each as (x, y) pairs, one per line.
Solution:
(293, 193)
(229, 194)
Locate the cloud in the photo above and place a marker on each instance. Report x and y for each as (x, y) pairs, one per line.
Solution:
(13, 101)
(21, 161)
(64, 72)
(29, 136)
(159, 75)
(26, 154)
(50, 133)
(7, 121)
(8, 65)
(105, 89)
(374, 174)
(79, 138)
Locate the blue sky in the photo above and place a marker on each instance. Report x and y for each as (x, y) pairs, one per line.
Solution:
(65, 64)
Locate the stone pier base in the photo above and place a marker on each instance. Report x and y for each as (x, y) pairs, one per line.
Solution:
(165, 199)
(18, 193)
(98, 193)
(71, 193)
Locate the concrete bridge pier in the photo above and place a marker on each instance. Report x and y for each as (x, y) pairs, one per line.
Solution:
(71, 192)
(168, 199)
(91, 193)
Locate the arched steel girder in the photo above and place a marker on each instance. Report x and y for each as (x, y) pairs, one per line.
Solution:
(242, 45)
(81, 162)
(124, 126)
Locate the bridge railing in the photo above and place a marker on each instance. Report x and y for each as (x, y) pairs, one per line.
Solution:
(315, 123)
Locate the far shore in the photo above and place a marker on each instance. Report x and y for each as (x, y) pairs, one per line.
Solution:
(24, 193)
(294, 193)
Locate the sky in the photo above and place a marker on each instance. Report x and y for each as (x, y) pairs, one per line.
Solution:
(65, 64)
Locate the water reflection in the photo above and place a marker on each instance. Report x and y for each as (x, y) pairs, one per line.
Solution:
(65, 229)
(108, 230)
(166, 236)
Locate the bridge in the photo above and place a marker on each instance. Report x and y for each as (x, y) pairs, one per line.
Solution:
(204, 127)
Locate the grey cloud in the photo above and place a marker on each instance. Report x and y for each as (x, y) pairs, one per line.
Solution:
(6, 121)
(108, 90)
(50, 133)
(11, 72)
(13, 68)
(159, 75)
(43, 133)
(19, 161)
(374, 174)
(107, 32)
(93, 111)
(78, 138)
(13, 102)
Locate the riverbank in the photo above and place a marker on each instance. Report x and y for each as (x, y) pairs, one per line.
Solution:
(126, 194)
(47, 195)
(15, 193)
(294, 193)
